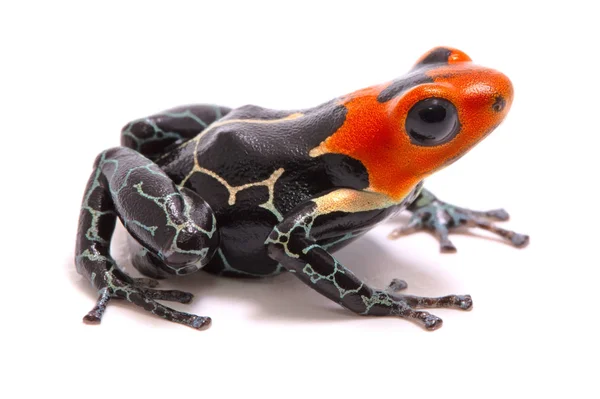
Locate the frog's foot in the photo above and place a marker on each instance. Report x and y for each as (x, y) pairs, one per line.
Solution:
(405, 306)
(117, 285)
(145, 285)
(440, 218)
(145, 282)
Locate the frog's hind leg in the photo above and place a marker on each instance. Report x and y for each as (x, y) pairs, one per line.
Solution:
(155, 135)
(429, 213)
(176, 225)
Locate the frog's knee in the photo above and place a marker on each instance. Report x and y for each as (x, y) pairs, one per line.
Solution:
(100, 158)
(113, 155)
(195, 238)
(191, 250)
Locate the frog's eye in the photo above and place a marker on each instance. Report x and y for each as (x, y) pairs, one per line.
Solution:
(432, 121)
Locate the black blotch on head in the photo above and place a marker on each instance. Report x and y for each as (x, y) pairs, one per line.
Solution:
(499, 104)
(399, 86)
(437, 56)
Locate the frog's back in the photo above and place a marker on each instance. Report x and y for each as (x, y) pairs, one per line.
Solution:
(253, 166)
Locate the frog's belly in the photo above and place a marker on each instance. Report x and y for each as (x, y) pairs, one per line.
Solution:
(243, 251)
(231, 261)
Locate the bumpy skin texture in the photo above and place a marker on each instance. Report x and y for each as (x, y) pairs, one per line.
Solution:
(252, 192)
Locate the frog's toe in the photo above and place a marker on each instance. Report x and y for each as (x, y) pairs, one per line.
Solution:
(516, 239)
(432, 322)
(446, 246)
(460, 302)
(201, 323)
(397, 285)
(420, 222)
(520, 240)
(415, 224)
(497, 214)
(464, 302)
(146, 300)
(429, 321)
(94, 316)
(169, 295)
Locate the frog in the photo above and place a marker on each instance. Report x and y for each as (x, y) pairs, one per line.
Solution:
(255, 192)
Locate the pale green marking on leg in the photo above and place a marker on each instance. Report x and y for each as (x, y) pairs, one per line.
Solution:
(92, 233)
(347, 236)
(378, 298)
(269, 240)
(313, 246)
(187, 113)
(228, 268)
(162, 203)
(151, 229)
(271, 208)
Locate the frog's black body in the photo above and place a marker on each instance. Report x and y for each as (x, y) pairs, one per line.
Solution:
(253, 191)
(256, 151)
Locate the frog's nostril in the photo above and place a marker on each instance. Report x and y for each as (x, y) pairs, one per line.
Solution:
(499, 104)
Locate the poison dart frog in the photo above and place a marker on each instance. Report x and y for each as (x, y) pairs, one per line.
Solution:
(253, 192)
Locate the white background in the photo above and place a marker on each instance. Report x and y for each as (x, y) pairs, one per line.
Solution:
(72, 74)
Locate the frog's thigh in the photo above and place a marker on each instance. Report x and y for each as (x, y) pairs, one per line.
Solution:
(292, 244)
(174, 226)
(156, 134)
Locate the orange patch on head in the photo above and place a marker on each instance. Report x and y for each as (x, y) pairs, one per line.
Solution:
(473, 91)
(370, 134)
(374, 132)
(458, 56)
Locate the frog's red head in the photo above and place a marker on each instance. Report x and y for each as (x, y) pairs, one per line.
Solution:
(407, 129)
(453, 106)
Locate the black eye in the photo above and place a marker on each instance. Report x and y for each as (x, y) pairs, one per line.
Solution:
(431, 122)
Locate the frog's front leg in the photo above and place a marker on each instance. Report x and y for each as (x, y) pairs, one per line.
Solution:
(175, 225)
(429, 213)
(292, 243)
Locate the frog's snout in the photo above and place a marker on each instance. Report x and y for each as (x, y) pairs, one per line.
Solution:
(491, 94)
(503, 92)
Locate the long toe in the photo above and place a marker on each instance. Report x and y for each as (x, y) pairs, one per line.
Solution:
(465, 302)
(432, 322)
(520, 240)
(497, 214)
(91, 318)
(169, 295)
(201, 323)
